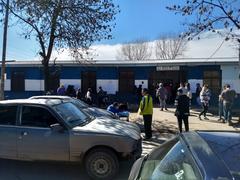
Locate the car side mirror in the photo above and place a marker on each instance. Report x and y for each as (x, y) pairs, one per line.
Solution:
(56, 127)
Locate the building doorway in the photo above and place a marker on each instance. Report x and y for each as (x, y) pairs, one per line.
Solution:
(126, 81)
(170, 80)
(88, 81)
(213, 80)
(54, 82)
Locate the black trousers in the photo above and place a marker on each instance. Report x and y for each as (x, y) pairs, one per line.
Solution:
(183, 118)
(205, 109)
(147, 125)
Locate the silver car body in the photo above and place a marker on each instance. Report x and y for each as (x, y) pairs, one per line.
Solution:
(69, 144)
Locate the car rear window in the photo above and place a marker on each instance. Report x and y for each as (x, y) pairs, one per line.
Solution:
(8, 115)
(227, 147)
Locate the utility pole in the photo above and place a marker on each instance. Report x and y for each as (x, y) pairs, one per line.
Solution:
(3, 67)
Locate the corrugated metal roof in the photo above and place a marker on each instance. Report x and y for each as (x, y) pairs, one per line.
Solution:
(182, 61)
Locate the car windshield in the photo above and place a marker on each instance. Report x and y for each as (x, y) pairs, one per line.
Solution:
(80, 103)
(172, 161)
(71, 114)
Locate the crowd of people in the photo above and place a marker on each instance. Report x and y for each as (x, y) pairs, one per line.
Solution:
(183, 102)
(164, 95)
(89, 97)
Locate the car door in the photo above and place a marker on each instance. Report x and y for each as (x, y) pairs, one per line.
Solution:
(8, 145)
(37, 140)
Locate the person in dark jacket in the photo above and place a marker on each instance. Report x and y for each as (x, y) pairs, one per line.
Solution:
(182, 110)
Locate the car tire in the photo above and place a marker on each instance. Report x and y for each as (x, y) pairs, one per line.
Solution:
(101, 163)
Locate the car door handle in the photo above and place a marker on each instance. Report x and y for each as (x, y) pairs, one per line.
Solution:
(24, 133)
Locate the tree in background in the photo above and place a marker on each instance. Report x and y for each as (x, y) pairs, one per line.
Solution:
(170, 46)
(135, 51)
(59, 24)
(210, 15)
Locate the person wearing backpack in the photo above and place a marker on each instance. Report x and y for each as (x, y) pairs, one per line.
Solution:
(146, 110)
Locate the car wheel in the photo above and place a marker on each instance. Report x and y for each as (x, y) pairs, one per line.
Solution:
(101, 163)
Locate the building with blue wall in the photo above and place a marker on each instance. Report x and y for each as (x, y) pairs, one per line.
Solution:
(25, 78)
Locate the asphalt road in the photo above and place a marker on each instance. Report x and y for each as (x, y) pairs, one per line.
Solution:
(18, 170)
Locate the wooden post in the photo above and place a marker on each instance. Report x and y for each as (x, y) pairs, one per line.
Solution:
(3, 67)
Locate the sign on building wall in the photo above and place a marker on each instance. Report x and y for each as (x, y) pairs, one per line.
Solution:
(167, 68)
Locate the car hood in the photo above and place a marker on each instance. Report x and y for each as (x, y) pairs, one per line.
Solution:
(111, 126)
(97, 112)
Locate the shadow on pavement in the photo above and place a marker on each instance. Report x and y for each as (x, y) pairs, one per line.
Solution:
(21, 170)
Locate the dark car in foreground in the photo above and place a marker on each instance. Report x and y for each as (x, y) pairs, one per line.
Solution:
(94, 111)
(198, 155)
(56, 130)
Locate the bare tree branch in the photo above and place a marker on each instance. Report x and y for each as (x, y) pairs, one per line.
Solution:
(210, 16)
(170, 46)
(135, 51)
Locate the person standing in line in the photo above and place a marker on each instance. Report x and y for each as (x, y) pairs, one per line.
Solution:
(146, 109)
(228, 96)
(79, 94)
(182, 110)
(183, 88)
(220, 105)
(198, 90)
(162, 96)
(139, 93)
(88, 96)
(70, 91)
(100, 96)
(61, 90)
(205, 98)
(189, 93)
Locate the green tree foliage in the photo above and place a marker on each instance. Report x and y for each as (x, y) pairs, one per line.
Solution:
(210, 15)
(58, 24)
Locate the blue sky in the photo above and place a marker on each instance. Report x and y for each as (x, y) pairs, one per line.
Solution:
(144, 19)
(138, 19)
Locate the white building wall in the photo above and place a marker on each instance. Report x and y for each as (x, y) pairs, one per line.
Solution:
(75, 82)
(34, 85)
(109, 85)
(230, 75)
(144, 83)
(193, 84)
(7, 85)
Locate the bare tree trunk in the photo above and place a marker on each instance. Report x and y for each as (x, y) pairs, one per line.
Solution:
(3, 68)
(46, 76)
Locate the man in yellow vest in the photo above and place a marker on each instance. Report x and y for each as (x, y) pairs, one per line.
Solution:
(146, 109)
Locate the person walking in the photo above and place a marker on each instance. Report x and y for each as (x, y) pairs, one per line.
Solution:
(228, 95)
(162, 96)
(146, 109)
(205, 98)
(182, 110)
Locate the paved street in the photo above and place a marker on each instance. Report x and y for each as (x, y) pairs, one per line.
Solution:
(164, 126)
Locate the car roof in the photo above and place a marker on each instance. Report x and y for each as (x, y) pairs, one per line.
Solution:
(50, 97)
(209, 162)
(48, 102)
